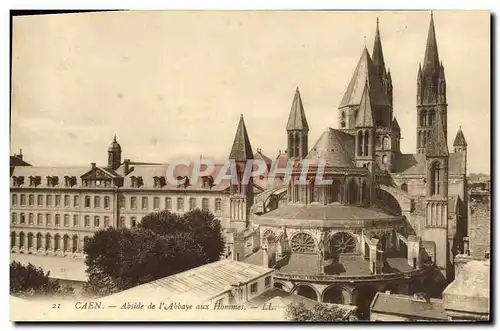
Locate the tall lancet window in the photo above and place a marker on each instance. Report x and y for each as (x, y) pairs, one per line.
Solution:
(435, 179)
(366, 138)
(296, 145)
(360, 143)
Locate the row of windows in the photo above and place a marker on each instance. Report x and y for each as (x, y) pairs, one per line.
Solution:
(96, 202)
(47, 220)
(193, 204)
(57, 201)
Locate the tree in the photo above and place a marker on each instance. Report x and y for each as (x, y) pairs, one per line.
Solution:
(318, 313)
(163, 244)
(29, 280)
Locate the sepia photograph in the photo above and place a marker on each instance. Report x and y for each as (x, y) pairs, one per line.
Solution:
(251, 165)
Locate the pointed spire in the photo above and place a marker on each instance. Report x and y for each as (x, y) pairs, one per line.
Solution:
(365, 69)
(297, 118)
(364, 118)
(460, 138)
(114, 138)
(241, 150)
(431, 58)
(395, 124)
(378, 54)
(436, 144)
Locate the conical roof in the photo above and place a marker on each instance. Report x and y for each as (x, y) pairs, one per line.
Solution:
(437, 145)
(334, 147)
(395, 125)
(431, 58)
(364, 117)
(297, 118)
(460, 138)
(241, 150)
(365, 72)
(378, 54)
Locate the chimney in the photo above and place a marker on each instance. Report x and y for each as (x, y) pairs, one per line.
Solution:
(20, 156)
(126, 166)
(92, 165)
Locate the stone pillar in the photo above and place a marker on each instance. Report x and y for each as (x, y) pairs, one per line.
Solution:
(460, 261)
(414, 256)
(265, 255)
(372, 245)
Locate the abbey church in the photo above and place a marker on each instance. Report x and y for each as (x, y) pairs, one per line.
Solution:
(387, 218)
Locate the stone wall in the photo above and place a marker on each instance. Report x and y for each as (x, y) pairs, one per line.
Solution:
(479, 224)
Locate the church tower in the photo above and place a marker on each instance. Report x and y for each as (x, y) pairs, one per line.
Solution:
(241, 194)
(431, 92)
(365, 132)
(297, 129)
(436, 213)
(114, 155)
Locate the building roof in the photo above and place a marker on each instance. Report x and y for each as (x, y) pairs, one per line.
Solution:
(431, 57)
(334, 147)
(416, 164)
(470, 291)
(297, 118)
(460, 138)
(241, 150)
(260, 156)
(408, 306)
(18, 162)
(365, 71)
(59, 267)
(364, 117)
(148, 172)
(201, 284)
(395, 125)
(377, 53)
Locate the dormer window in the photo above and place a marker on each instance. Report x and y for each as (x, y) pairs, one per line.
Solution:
(18, 181)
(52, 181)
(136, 181)
(159, 182)
(208, 182)
(35, 180)
(185, 183)
(69, 181)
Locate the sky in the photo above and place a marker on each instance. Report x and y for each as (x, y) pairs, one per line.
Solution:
(172, 84)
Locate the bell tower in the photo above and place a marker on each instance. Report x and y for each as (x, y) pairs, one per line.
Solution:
(114, 155)
(297, 129)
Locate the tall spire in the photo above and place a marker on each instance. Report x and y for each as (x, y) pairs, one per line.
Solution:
(431, 58)
(378, 54)
(297, 118)
(241, 150)
(459, 138)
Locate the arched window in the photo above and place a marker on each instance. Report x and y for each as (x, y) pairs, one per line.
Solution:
(404, 187)
(419, 139)
(335, 191)
(296, 144)
(12, 239)
(342, 120)
(39, 238)
(422, 118)
(360, 143)
(75, 243)
(385, 160)
(367, 137)
(342, 242)
(435, 179)
(48, 241)
(303, 243)
(21, 239)
(57, 239)
(431, 118)
(424, 139)
(386, 143)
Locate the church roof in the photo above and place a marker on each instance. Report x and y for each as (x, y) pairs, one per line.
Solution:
(437, 145)
(460, 138)
(260, 156)
(335, 147)
(378, 54)
(297, 118)
(395, 124)
(415, 164)
(365, 72)
(364, 117)
(431, 58)
(241, 150)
